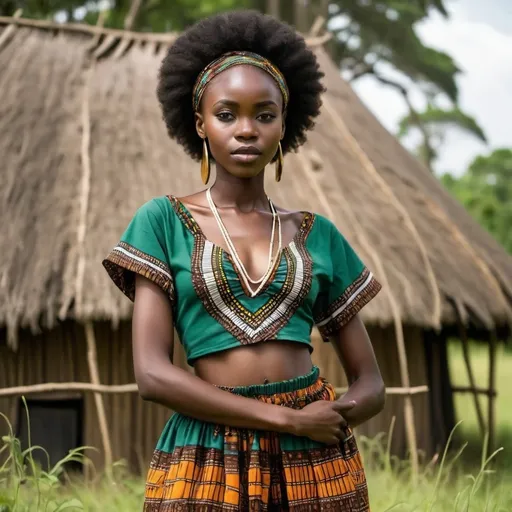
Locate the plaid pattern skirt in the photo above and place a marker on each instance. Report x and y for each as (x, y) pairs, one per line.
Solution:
(200, 466)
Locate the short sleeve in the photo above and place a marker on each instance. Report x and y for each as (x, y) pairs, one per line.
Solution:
(349, 288)
(141, 250)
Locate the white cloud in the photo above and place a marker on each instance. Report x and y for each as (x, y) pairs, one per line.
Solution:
(484, 53)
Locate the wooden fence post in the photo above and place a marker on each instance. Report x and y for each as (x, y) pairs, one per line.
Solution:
(472, 384)
(92, 361)
(491, 420)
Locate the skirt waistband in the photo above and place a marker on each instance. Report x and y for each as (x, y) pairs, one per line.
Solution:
(273, 388)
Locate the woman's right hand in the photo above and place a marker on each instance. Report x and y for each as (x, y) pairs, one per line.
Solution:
(322, 421)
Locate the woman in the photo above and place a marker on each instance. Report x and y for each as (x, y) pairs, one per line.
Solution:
(243, 282)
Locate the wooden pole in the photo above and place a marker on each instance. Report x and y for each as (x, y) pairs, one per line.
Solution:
(92, 361)
(151, 37)
(272, 8)
(122, 389)
(8, 31)
(472, 384)
(317, 26)
(54, 387)
(469, 389)
(132, 14)
(84, 28)
(491, 413)
(301, 15)
(415, 390)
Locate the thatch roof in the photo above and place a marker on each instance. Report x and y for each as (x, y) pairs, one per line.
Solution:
(82, 146)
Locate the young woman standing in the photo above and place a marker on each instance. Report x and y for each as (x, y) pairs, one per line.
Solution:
(243, 282)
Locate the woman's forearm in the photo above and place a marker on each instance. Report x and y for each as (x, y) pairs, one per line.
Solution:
(369, 394)
(187, 394)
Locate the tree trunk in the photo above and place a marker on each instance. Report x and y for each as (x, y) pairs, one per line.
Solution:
(272, 8)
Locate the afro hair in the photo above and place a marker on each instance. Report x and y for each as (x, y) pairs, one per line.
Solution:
(238, 30)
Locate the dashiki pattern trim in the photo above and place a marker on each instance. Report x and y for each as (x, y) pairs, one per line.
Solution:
(248, 327)
(212, 286)
(124, 259)
(253, 472)
(350, 302)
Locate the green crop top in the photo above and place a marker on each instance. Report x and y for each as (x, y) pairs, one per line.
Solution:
(319, 280)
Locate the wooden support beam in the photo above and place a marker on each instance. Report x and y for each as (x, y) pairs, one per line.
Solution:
(415, 390)
(56, 387)
(317, 26)
(272, 8)
(491, 411)
(469, 389)
(152, 37)
(301, 15)
(87, 387)
(129, 21)
(9, 30)
(84, 28)
(92, 361)
(469, 369)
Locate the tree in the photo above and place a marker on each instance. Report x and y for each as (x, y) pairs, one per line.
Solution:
(151, 15)
(367, 33)
(370, 37)
(433, 124)
(485, 189)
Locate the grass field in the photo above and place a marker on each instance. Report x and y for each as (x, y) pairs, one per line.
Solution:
(390, 490)
(456, 483)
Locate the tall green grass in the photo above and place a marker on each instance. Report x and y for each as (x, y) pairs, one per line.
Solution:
(464, 403)
(465, 478)
(27, 486)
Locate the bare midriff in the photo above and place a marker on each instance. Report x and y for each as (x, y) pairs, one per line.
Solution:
(270, 361)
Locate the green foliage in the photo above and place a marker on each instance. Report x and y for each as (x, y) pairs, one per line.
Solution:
(27, 487)
(486, 192)
(384, 32)
(36, 8)
(433, 124)
(164, 16)
(371, 32)
(441, 119)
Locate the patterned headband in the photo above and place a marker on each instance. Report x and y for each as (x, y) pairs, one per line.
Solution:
(234, 59)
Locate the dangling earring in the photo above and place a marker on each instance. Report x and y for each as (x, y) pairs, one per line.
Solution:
(205, 164)
(279, 164)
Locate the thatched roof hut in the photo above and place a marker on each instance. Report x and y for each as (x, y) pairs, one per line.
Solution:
(82, 147)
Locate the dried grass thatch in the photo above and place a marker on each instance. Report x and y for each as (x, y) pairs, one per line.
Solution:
(82, 146)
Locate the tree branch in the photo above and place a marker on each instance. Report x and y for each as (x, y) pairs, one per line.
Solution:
(430, 152)
(360, 69)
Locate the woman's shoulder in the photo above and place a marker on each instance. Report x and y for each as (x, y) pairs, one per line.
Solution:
(323, 224)
(158, 208)
(156, 213)
(320, 224)
(156, 205)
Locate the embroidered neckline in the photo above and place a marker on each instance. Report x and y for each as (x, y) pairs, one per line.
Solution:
(214, 289)
(192, 225)
(190, 222)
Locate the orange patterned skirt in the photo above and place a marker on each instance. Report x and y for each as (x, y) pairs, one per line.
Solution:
(205, 467)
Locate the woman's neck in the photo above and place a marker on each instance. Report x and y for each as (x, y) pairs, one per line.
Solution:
(244, 194)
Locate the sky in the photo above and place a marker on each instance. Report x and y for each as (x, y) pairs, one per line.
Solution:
(478, 36)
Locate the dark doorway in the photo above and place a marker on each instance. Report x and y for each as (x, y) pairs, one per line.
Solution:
(56, 425)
